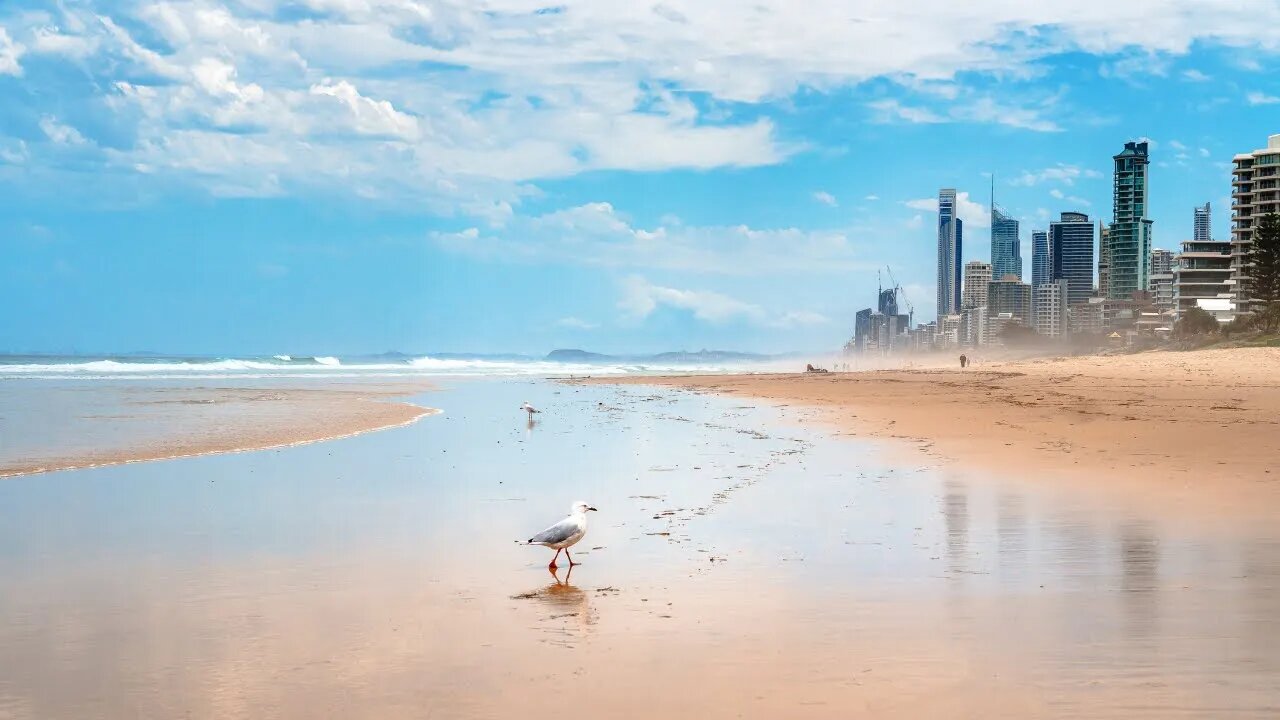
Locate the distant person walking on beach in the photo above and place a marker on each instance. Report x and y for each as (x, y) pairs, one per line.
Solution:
(963, 361)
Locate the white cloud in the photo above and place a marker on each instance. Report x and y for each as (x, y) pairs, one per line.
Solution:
(1065, 174)
(1177, 145)
(1056, 193)
(10, 52)
(574, 323)
(1194, 75)
(60, 133)
(973, 110)
(1259, 98)
(974, 214)
(461, 105)
(597, 234)
(825, 198)
(871, 198)
(1204, 152)
(917, 221)
(640, 299)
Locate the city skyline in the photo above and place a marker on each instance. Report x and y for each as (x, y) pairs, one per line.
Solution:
(439, 189)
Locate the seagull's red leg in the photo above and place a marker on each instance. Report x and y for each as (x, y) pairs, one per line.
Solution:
(566, 554)
(552, 566)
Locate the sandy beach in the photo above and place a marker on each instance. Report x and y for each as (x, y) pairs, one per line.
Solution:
(149, 421)
(747, 560)
(1193, 431)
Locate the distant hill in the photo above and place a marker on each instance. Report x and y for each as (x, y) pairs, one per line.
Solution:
(574, 355)
(681, 356)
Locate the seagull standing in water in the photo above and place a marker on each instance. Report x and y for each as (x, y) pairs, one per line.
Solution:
(564, 534)
(529, 409)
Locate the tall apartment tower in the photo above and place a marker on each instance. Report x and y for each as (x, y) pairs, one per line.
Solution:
(1203, 229)
(1104, 260)
(1255, 184)
(1041, 258)
(977, 279)
(1071, 247)
(950, 242)
(1162, 260)
(1006, 249)
(1130, 239)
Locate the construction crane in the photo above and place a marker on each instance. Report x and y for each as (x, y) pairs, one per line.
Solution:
(900, 293)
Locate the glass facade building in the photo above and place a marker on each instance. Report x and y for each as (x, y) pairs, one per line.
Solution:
(1071, 247)
(1129, 260)
(950, 243)
(1006, 250)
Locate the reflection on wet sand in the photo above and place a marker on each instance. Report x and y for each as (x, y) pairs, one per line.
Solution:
(382, 578)
(568, 614)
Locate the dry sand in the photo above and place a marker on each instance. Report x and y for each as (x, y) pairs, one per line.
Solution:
(1197, 431)
(185, 422)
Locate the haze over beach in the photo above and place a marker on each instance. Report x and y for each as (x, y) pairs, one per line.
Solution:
(407, 358)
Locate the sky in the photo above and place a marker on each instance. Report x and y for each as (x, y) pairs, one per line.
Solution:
(235, 177)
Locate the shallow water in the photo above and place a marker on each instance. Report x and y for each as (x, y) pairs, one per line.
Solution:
(743, 563)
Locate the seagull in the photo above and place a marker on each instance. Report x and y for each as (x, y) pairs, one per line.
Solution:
(529, 409)
(564, 534)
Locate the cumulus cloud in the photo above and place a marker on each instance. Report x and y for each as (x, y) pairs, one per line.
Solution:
(1060, 173)
(463, 105)
(825, 198)
(1194, 75)
(574, 323)
(597, 234)
(974, 214)
(10, 52)
(1260, 98)
(60, 133)
(640, 299)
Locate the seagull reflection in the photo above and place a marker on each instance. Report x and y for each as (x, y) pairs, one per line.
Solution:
(568, 614)
(529, 425)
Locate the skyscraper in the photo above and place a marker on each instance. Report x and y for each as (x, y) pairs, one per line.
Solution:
(1203, 225)
(1130, 239)
(1041, 258)
(1254, 183)
(977, 277)
(1104, 260)
(1162, 260)
(1050, 308)
(950, 241)
(1012, 296)
(1071, 247)
(1006, 250)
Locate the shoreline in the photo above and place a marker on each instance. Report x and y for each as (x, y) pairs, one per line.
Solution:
(297, 416)
(1190, 431)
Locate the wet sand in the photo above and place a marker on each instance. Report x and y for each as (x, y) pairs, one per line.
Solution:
(744, 563)
(48, 426)
(1191, 432)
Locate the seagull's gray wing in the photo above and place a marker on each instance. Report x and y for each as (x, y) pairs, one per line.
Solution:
(559, 532)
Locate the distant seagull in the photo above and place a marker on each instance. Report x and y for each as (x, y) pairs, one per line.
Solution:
(564, 534)
(530, 409)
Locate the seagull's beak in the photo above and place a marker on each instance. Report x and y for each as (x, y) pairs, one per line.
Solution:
(591, 508)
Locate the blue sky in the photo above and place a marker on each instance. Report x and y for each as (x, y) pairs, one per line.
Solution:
(347, 176)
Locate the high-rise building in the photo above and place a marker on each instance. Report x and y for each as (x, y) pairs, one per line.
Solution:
(1201, 277)
(1203, 224)
(1009, 296)
(1006, 248)
(1050, 308)
(888, 301)
(977, 276)
(1255, 185)
(1104, 259)
(1041, 259)
(950, 242)
(1161, 260)
(1129, 262)
(1071, 247)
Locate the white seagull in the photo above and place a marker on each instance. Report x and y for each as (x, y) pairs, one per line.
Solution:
(564, 534)
(529, 409)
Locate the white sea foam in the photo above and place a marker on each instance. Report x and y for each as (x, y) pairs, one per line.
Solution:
(325, 367)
